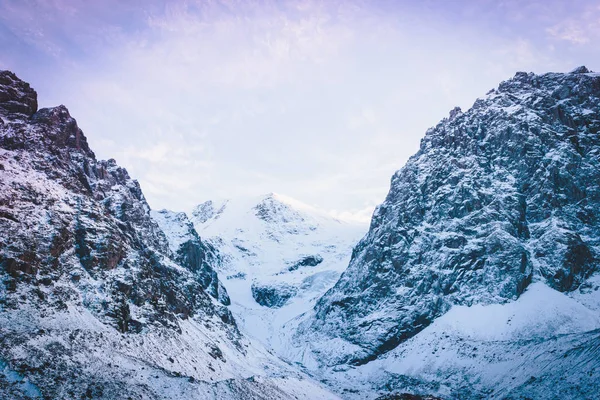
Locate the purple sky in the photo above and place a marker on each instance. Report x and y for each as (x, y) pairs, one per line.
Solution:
(319, 100)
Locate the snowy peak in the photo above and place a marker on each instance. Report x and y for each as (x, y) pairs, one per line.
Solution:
(278, 256)
(278, 208)
(270, 217)
(273, 211)
(272, 208)
(208, 210)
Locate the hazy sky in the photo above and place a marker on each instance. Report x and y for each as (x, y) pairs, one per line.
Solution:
(318, 100)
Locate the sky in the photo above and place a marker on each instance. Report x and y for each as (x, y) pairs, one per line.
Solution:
(318, 100)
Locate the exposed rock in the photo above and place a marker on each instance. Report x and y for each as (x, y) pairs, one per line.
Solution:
(94, 303)
(456, 111)
(191, 252)
(580, 70)
(17, 98)
(503, 194)
(273, 295)
(308, 261)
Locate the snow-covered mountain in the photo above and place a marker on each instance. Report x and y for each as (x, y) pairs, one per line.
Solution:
(479, 276)
(278, 256)
(95, 302)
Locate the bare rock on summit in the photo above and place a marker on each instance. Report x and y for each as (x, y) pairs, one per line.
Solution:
(16, 96)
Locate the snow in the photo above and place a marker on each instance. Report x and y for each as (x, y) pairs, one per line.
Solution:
(496, 346)
(174, 365)
(259, 239)
(175, 226)
(540, 312)
(588, 294)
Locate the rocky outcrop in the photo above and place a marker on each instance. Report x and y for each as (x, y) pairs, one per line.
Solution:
(306, 261)
(94, 302)
(16, 96)
(191, 252)
(273, 295)
(497, 196)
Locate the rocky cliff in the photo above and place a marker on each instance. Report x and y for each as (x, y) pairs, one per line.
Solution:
(94, 303)
(497, 197)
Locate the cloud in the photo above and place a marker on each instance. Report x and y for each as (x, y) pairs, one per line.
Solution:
(319, 100)
(579, 29)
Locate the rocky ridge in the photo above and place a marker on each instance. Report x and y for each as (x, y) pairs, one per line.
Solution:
(94, 300)
(498, 198)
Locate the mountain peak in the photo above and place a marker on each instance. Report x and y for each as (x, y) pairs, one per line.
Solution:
(16, 96)
(494, 200)
(580, 70)
(208, 210)
(52, 128)
(275, 208)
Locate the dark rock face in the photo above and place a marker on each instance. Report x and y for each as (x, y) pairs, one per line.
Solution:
(273, 295)
(77, 232)
(16, 96)
(191, 252)
(195, 256)
(506, 192)
(308, 261)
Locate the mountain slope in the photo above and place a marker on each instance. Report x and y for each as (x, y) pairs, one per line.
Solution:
(278, 256)
(496, 198)
(543, 345)
(93, 300)
(191, 252)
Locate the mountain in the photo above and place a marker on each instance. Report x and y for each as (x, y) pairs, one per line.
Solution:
(95, 301)
(478, 277)
(278, 256)
(191, 252)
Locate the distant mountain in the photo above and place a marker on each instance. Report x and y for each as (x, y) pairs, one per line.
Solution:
(95, 302)
(278, 255)
(478, 277)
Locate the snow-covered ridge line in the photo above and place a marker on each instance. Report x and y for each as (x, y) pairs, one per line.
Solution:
(278, 255)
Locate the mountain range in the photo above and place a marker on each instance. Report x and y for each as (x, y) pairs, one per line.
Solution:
(478, 276)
